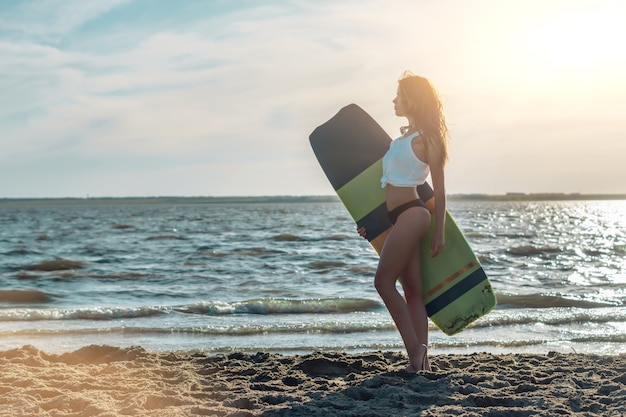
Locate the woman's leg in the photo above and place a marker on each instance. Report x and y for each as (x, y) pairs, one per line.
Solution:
(402, 242)
(411, 280)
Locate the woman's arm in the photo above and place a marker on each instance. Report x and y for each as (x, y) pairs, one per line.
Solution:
(438, 177)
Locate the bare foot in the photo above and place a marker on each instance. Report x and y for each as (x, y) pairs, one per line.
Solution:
(420, 361)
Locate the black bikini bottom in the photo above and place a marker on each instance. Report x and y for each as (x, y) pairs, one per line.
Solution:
(395, 213)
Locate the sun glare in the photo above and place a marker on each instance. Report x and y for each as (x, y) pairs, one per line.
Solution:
(579, 40)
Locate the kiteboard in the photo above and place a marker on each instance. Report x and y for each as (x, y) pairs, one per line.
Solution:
(349, 147)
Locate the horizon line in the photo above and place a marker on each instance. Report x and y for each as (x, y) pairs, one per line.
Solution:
(509, 196)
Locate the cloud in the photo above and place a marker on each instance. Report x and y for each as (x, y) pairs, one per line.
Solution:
(230, 92)
(188, 84)
(47, 20)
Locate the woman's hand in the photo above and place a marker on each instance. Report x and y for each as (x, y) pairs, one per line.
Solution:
(437, 244)
(362, 232)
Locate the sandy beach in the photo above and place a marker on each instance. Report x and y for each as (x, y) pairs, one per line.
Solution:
(108, 381)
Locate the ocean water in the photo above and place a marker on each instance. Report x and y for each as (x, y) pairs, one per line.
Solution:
(296, 277)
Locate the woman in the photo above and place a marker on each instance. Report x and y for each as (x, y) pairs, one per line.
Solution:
(422, 149)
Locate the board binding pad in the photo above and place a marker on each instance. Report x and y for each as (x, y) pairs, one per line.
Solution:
(350, 147)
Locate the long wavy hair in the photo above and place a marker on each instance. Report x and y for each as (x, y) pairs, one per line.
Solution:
(425, 107)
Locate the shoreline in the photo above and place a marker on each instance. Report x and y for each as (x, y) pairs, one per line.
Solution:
(99, 380)
(182, 344)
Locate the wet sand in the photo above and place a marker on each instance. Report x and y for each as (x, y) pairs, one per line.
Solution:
(107, 381)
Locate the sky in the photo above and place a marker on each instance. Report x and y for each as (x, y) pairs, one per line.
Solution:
(116, 98)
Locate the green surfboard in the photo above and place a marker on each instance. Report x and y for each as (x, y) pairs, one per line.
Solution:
(350, 147)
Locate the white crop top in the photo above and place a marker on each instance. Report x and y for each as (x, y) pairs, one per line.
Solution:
(401, 167)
